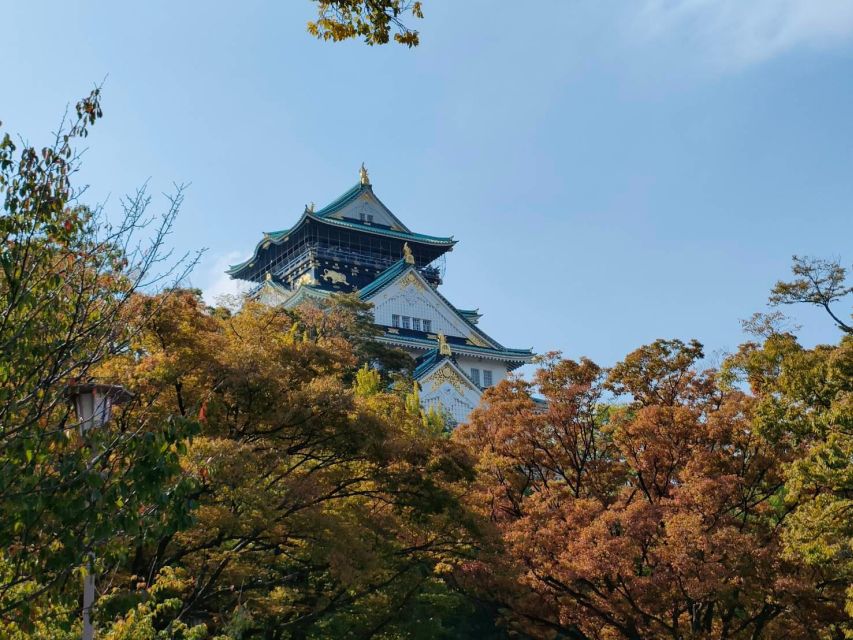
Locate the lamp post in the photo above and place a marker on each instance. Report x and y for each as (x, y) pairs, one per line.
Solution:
(93, 404)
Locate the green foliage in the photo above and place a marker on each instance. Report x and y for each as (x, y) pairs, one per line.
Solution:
(275, 475)
(368, 382)
(38, 615)
(372, 20)
(156, 616)
(804, 405)
(65, 282)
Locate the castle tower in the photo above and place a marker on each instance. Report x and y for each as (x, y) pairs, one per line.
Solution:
(356, 244)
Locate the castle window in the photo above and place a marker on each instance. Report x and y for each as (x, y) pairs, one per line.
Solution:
(407, 322)
(475, 376)
(427, 325)
(416, 324)
(487, 377)
(395, 320)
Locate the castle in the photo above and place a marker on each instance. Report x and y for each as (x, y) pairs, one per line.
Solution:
(356, 244)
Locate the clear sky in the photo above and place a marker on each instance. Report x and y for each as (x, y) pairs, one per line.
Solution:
(614, 171)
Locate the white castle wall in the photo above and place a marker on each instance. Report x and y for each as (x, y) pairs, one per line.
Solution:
(410, 297)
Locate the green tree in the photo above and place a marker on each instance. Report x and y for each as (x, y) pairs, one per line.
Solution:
(66, 277)
(818, 282)
(805, 404)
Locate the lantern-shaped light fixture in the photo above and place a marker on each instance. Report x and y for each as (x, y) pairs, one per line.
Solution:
(94, 402)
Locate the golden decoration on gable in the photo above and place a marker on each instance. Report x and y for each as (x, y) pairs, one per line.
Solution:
(449, 375)
(362, 175)
(411, 280)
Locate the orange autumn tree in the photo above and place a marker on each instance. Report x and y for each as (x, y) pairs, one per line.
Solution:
(327, 504)
(638, 502)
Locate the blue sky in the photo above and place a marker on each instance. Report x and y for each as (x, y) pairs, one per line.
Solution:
(614, 171)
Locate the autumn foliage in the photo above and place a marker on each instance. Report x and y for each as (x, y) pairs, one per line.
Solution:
(642, 502)
(275, 476)
(324, 504)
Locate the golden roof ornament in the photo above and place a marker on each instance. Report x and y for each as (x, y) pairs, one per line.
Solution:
(309, 207)
(268, 277)
(362, 175)
(443, 347)
(408, 256)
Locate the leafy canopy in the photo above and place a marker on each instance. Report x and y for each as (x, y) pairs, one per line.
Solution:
(372, 20)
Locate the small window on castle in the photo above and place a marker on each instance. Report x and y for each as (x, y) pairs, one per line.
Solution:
(427, 325)
(487, 377)
(475, 376)
(416, 324)
(370, 217)
(395, 320)
(407, 322)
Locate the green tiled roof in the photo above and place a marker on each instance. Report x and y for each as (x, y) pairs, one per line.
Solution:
(304, 292)
(384, 231)
(433, 360)
(521, 356)
(427, 362)
(472, 315)
(383, 279)
(352, 194)
(342, 200)
(275, 237)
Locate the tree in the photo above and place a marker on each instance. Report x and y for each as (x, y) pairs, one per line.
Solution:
(327, 506)
(347, 318)
(806, 395)
(658, 517)
(373, 20)
(818, 282)
(66, 277)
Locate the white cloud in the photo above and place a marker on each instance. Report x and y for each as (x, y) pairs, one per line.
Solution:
(216, 285)
(738, 33)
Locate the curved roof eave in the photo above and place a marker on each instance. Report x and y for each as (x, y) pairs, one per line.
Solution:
(381, 231)
(270, 237)
(435, 364)
(522, 356)
(275, 237)
(342, 200)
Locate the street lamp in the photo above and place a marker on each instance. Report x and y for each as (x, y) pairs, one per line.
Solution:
(93, 404)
